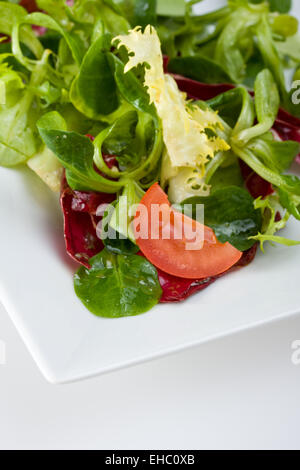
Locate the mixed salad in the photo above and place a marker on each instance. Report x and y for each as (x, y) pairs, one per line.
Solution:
(141, 113)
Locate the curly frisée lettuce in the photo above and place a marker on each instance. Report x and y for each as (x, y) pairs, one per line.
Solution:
(270, 208)
(188, 146)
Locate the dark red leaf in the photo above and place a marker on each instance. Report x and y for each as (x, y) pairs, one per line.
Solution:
(200, 91)
(288, 119)
(256, 185)
(80, 221)
(30, 5)
(166, 63)
(89, 202)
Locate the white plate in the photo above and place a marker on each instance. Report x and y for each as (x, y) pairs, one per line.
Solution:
(68, 343)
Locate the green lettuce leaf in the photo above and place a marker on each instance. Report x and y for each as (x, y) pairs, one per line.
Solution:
(282, 6)
(267, 102)
(94, 91)
(18, 136)
(145, 12)
(201, 68)
(117, 285)
(10, 16)
(76, 154)
(231, 214)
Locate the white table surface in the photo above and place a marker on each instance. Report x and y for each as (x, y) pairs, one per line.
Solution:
(238, 392)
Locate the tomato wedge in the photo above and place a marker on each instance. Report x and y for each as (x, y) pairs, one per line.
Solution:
(177, 244)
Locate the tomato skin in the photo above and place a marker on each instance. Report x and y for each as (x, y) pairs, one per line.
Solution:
(174, 256)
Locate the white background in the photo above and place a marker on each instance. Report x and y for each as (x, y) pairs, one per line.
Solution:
(239, 392)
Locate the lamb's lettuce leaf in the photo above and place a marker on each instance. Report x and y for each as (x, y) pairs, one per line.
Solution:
(57, 9)
(277, 155)
(171, 7)
(131, 88)
(228, 51)
(282, 6)
(227, 176)
(121, 140)
(271, 58)
(145, 12)
(10, 16)
(201, 68)
(285, 26)
(230, 212)
(236, 107)
(121, 135)
(267, 103)
(94, 91)
(118, 286)
(76, 153)
(74, 42)
(290, 48)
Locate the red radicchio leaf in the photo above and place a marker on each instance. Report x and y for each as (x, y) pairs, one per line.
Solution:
(30, 5)
(166, 61)
(80, 221)
(200, 91)
(255, 184)
(288, 119)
